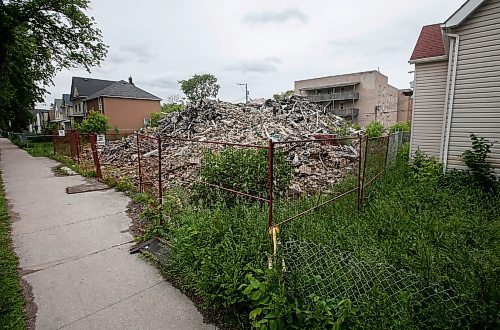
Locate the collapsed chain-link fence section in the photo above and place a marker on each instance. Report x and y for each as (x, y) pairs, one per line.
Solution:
(380, 292)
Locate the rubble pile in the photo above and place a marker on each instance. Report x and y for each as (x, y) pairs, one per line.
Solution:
(316, 165)
(293, 118)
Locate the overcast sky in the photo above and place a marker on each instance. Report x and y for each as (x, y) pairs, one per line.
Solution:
(267, 44)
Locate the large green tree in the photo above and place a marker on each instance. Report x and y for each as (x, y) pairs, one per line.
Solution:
(38, 38)
(199, 88)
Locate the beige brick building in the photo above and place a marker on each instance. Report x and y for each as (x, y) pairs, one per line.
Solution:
(360, 97)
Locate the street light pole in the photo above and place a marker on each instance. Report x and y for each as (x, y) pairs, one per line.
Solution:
(246, 91)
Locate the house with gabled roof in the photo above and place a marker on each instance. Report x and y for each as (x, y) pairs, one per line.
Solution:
(127, 106)
(457, 84)
(80, 89)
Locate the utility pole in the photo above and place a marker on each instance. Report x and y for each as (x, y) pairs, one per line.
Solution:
(246, 91)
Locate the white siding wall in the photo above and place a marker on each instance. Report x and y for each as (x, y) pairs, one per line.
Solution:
(476, 108)
(430, 93)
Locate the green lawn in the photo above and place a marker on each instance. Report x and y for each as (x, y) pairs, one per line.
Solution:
(40, 149)
(11, 297)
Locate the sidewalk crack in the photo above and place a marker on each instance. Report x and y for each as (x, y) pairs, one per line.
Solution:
(111, 305)
(70, 259)
(71, 223)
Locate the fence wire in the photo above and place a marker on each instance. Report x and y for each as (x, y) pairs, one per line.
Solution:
(376, 289)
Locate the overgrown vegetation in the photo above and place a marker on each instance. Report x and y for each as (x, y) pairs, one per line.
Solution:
(404, 126)
(374, 129)
(95, 123)
(244, 170)
(441, 228)
(479, 168)
(11, 296)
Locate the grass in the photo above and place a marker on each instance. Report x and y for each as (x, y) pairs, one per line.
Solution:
(40, 149)
(11, 297)
(46, 149)
(440, 228)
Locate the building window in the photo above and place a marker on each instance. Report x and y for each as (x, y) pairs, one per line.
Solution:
(100, 104)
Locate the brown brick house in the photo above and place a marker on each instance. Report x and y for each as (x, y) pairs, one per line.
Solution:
(126, 106)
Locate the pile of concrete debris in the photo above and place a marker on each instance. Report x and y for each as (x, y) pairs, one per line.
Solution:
(316, 166)
(293, 118)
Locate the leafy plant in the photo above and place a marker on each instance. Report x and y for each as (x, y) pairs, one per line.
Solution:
(95, 123)
(374, 129)
(425, 168)
(400, 127)
(479, 168)
(200, 87)
(244, 170)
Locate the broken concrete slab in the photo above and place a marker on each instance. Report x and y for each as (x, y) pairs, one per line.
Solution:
(87, 187)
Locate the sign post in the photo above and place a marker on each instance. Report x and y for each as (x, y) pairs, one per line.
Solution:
(101, 140)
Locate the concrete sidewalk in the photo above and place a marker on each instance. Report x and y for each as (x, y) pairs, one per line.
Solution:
(74, 250)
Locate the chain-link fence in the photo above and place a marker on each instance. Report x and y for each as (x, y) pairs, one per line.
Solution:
(376, 289)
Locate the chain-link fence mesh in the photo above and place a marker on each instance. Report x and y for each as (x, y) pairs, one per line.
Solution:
(392, 148)
(376, 289)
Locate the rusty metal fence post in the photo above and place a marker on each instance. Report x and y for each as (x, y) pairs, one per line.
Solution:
(160, 185)
(272, 230)
(78, 147)
(270, 156)
(54, 141)
(95, 156)
(139, 161)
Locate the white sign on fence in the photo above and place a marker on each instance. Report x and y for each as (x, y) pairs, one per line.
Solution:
(62, 132)
(101, 140)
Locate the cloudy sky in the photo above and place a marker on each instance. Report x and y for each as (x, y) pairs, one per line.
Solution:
(267, 44)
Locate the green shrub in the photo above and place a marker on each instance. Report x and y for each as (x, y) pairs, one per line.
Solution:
(273, 308)
(426, 168)
(400, 127)
(244, 170)
(96, 123)
(475, 159)
(374, 129)
(404, 152)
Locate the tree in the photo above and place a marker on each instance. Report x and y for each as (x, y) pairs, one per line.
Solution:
(96, 123)
(38, 39)
(282, 96)
(200, 87)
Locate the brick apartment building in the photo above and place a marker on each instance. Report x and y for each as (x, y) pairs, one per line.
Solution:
(360, 97)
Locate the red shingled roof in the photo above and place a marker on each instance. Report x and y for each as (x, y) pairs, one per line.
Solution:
(429, 44)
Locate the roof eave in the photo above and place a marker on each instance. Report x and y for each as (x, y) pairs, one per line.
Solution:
(462, 13)
(429, 59)
(125, 97)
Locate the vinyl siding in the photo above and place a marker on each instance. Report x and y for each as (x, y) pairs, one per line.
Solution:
(476, 108)
(430, 93)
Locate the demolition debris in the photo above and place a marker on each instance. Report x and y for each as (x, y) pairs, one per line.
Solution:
(186, 136)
